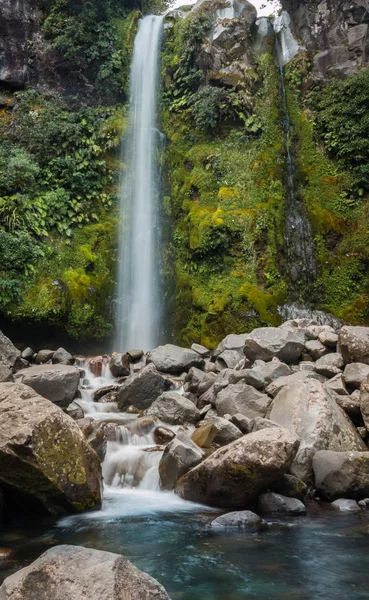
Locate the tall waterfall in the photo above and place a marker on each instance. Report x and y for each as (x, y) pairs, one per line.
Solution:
(139, 302)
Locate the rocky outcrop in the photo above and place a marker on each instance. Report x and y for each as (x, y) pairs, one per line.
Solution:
(235, 475)
(307, 410)
(342, 474)
(335, 31)
(77, 573)
(44, 455)
(17, 25)
(57, 383)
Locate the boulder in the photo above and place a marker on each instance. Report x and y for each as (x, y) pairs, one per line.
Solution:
(333, 359)
(316, 349)
(204, 435)
(204, 352)
(173, 359)
(278, 384)
(57, 383)
(290, 486)
(308, 411)
(354, 344)
(100, 394)
(43, 453)
(231, 342)
(5, 372)
(28, 354)
(328, 338)
(235, 475)
(226, 432)
(243, 423)
(364, 401)
(119, 364)
(265, 343)
(135, 355)
(244, 399)
(337, 385)
(271, 370)
(206, 383)
(344, 505)
(9, 354)
(228, 359)
(240, 519)
(260, 423)
(97, 363)
(350, 404)
(206, 398)
(174, 409)
(222, 380)
(193, 379)
(276, 504)
(249, 376)
(43, 356)
(354, 375)
(163, 435)
(143, 389)
(77, 573)
(341, 474)
(179, 456)
(313, 332)
(62, 357)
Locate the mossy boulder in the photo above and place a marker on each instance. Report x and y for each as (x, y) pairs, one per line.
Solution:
(234, 476)
(44, 455)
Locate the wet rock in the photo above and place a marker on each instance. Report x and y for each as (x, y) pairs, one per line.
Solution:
(243, 423)
(5, 372)
(62, 357)
(43, 356)
(344, 505)
(99, 395)
(96, 364)
(143, 389)
(235, 475)
(28, 354)
(174, 409)
(341, 474)
(135, 355)
(266, 343)
(228, 359)
(57, 383)
(119, 364)
(240, 519)
(276, 504)
(231, 342)
(77, 573)
(278, 384)
(163, 435)
(226, 432)
(307, 410)
(354, 374)
(271, 370)
(204, 435)
(354, 344)
(193, 379)
(248, 376)
(173, 359)
(290, 486)
(44, 454)
(204, 352)
(180, 455)
(244, 399)
(316, 349)
(9, 354)
(260, 423)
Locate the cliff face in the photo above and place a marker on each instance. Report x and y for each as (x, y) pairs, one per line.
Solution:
(336, 30)
(17, 27)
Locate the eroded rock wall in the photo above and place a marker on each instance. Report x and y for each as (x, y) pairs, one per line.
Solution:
(17, 26)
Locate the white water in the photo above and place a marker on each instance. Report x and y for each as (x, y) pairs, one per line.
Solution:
(138, 301)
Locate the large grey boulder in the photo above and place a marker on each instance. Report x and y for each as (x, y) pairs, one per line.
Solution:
(228, 359)
(346, 505)
(57, 383)
(354, 374)
(193, 379)
(226, 432)
(271, 370)
(231, 342)
(266, 343)
(9, 354)
(333, 359)
(62, 357)
(290, 486)
(77, 573)
(316, 349)
(342, 474)
(276, 504)
(236, 474)
(173, 359)
(119, 364)
(5, 372)
(249, 376)
(278, 384)
(174, 409)
(239, 519)
(354, 344)
(307, 410)
(244, 399)
(143, 389)
(43, 453)
(179, 456)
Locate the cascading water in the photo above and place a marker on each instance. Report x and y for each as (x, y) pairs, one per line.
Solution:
(138, 299)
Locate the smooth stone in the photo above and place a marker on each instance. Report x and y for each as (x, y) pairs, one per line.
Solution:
(242, 519)
(43, 356)
(342, 474)
(62, 357)
(276, 504)
(344, 505)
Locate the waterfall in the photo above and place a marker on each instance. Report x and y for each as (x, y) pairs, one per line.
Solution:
(138, 299)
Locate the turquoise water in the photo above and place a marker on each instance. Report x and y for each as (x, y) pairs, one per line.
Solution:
(324, 555)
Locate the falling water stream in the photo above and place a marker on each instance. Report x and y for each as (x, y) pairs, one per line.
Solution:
(138, 296)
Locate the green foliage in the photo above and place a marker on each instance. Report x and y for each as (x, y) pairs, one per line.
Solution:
(210, 106)
(19, 255)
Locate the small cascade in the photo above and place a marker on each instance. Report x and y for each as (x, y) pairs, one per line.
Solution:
(139, 299)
